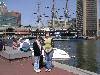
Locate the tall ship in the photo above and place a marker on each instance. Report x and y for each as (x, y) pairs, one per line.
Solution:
(58, 23)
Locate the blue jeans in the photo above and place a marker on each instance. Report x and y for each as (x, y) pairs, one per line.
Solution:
(36, 62)
(48, 60)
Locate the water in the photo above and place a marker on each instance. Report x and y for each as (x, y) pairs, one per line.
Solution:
(86, 52)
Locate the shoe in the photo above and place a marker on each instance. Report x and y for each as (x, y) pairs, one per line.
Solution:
(49, 70)
(38, 70)
(46, 70)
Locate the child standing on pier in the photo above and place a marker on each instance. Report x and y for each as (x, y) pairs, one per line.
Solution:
(37, 53)
(48, 51)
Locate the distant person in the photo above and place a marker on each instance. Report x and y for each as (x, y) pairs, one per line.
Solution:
(20, 43)
(15, 44)
(10, 41)
(1, 44)
(25, 46)
(48, 52)
(37, 53)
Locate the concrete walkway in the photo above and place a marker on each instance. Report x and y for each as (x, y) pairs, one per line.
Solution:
(75, 70)
(24, 67)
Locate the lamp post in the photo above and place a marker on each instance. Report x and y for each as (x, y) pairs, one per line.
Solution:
(4, 38)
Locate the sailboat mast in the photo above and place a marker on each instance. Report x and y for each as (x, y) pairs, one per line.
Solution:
(66, 13)
(53, 12)
(38, 13)
(39, 16)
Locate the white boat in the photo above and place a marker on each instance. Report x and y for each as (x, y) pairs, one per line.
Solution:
(60, 54)
(57, 55)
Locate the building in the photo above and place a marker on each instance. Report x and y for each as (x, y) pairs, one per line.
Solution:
(87, 17)
(22, 31)
(17, 15)
(79, 19)
(90, 17)
(9, 18)
(98, 11)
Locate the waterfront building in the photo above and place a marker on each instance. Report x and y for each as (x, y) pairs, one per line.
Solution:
(99, 27)
(87, 17)
(98, 16)
(9, 21)
(9, 18)
(22, 31)
(17, 16)
(79, 19)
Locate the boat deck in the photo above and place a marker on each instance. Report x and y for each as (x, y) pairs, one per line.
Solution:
(24, 67)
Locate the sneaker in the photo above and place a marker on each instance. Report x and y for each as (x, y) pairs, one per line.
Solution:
(46, 70)
(49, 70)
(38, 70)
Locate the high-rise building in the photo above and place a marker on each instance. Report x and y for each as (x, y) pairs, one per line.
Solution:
(87, 17)
(79, 19)
(98, 11)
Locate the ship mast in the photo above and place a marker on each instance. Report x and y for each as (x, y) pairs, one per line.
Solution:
(66, 13)
(53, 12)
(39, 16)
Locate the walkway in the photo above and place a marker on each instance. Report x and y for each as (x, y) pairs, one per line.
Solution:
(24, 67)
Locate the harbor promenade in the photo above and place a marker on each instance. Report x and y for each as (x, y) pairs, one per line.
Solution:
(24, 67)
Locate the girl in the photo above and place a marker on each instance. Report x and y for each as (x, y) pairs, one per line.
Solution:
(48, 51)
(37, 52)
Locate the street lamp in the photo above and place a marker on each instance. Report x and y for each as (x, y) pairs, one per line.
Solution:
(4, 38)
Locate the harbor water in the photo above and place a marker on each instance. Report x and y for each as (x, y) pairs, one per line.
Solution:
(85, 54)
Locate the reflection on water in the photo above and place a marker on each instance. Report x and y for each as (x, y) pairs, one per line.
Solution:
(86, 55)
(86, 52)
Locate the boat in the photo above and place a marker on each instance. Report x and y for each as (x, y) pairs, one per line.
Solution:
(59, 39)
(57, 35)
(57, 55)
(60, 54)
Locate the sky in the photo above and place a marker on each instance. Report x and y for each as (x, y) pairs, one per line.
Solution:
(98, 10)
(29, 7)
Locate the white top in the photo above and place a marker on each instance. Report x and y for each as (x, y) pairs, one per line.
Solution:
(38, 44)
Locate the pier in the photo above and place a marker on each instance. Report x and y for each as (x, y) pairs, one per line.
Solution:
(24, 67)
